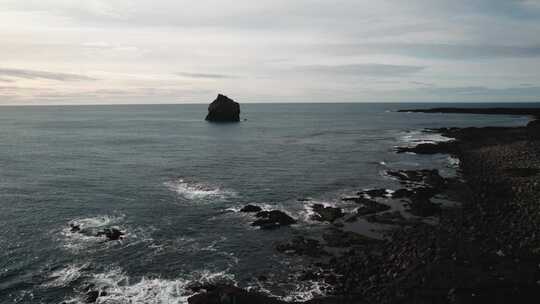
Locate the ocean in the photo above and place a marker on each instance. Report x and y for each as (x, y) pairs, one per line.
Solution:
(174, 184)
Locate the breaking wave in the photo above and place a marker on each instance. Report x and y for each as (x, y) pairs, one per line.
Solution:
(195, 191)
(115, 287)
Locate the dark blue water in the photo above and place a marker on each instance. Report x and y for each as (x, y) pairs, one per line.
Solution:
(174, 182)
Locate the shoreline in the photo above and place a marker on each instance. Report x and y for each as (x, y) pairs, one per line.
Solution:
(487, 249)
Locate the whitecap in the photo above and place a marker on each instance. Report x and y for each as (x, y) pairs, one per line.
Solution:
(120, 290)
(63, 277)
(76, 241)
(423, 137)
(195, 191)
(307, 291)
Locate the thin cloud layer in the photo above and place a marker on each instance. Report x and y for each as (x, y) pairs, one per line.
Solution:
(169, 51)
(31, 74)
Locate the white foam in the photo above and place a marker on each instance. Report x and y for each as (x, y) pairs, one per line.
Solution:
(423, 137)
(195, 191)
(307, 291)
(453, 162)
(119, 290)
(76, 241)
(63, 277)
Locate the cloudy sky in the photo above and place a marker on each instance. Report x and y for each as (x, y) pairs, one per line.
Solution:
(176, 51)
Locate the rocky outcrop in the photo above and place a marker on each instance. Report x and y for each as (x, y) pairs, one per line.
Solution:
(326, 214)
(223, 109)
(250, 209)
(273, 219)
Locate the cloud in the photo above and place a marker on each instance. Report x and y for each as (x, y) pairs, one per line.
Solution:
(370, 69)
(32, 74)
(437, 51)
(206, 75)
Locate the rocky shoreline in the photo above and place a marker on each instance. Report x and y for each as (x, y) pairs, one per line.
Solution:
(487, 250)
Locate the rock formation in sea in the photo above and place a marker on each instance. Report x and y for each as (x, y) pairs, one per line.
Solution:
(223, 109)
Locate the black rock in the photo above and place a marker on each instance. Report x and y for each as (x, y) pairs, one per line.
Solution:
(429, 177)
(302, 246)
(223, 109)
(231, 295)
(429, 148)
(392, 218)
(370, 207)
(339, 238)
(74, 227)
(113, 234)
(250, 208)
(273, 219)
(92, 296)
(326, 214)
(374, 192)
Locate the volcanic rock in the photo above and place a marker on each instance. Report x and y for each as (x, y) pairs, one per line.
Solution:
(223, 109)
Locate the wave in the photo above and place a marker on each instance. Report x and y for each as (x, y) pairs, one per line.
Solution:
(117, 287)
(423, 137)
(86, 237)
(307, 291)
(65, 276)
(195, 191)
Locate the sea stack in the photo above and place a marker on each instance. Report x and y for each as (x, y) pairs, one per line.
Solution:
(223, 109)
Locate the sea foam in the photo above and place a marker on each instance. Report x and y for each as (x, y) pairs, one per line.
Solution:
(197, 191)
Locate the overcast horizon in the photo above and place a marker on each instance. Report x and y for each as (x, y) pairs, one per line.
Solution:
(165, 51)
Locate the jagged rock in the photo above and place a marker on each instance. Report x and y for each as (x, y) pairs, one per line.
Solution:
(223, 109)
(429, 177)
(112, 234)
(250, 208)
(273, 219)
(326, 214)
(74, 227)
(374, 192)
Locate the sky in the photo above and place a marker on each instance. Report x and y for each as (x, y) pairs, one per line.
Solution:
(176, 51)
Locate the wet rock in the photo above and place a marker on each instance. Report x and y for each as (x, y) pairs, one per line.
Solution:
(381, 192)
(339, 238)
(112, 234)
(92, 295)
(302, 246)
(370, 207)
(223, 109)
(250, 208)
(74, 227)
(326, 214)
(391, 218)
(273, 219)
(429, 177)
(231, 295)
(428, 148)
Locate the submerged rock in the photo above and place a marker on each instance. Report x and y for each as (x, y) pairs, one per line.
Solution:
(273, 219)
(250, 208)
(223, 109)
